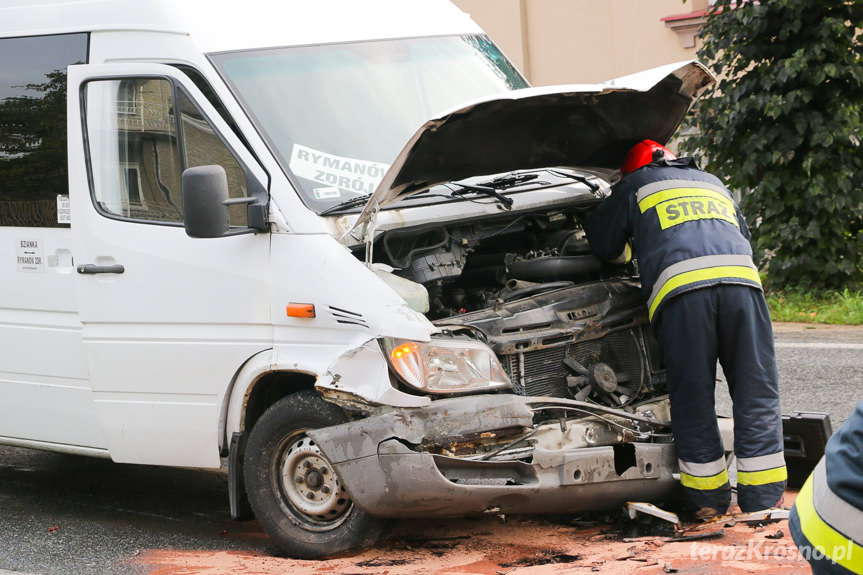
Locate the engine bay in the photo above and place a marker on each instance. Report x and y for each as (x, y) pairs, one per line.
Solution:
(562, 323)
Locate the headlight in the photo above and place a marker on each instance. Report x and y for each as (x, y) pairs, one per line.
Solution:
(446, 366)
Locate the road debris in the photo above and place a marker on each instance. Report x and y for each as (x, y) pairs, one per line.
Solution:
(698, 535)
(766, 515)
(636, 507)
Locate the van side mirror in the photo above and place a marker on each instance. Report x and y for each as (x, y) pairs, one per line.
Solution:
(206, 202)
(205, 191)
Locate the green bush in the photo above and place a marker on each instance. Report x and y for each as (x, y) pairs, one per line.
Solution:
(785, 124)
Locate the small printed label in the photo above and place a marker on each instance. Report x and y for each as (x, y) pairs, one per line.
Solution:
(29, 255)
(64, 209)
(327, 193)
(346, 174)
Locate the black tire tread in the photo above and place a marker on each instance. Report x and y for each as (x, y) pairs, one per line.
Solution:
(302, 410)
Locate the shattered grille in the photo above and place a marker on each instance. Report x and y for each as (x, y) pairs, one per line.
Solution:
(544, 374)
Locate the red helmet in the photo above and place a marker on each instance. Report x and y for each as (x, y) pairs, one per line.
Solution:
(642, 154)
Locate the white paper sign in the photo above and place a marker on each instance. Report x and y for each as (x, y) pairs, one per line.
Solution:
(29, 254)
(64, 209)
(336, 172)
(327, 193)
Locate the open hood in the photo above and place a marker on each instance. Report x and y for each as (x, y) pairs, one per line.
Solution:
(580, 125)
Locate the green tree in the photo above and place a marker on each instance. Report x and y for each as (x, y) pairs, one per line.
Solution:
(785, 123)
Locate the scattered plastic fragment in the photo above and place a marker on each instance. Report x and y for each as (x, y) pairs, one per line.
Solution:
(698, 535)
(635, 507)
(765, 515)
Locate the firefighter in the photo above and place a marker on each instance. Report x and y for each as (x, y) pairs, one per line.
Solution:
(827, 518)
(705, 302)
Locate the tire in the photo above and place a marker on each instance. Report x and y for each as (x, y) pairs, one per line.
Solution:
(293, 489)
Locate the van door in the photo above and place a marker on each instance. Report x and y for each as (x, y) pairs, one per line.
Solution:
(45, 398)
(167, 319)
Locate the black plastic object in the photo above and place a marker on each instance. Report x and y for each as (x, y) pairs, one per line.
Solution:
(205, 191)
(805, 436)
(94, 269)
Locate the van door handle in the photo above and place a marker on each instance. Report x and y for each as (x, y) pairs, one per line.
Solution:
(94, 269)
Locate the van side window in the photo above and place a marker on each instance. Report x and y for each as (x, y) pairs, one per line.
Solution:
(33, 163)
(141, 134)
(202, 147)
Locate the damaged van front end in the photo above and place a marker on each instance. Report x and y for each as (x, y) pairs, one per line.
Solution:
(502, 454)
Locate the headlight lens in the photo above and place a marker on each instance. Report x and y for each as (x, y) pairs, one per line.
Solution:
(446, 366)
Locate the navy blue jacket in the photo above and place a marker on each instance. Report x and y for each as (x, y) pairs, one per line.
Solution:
(685, 230)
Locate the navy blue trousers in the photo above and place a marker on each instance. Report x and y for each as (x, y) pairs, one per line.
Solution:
(730, 323)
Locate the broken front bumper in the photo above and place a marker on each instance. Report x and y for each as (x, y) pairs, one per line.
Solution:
(413, 462)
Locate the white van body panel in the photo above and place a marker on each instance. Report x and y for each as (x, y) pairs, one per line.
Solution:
(185, 303)
(220, 25)
(164, 338)
(43, 365)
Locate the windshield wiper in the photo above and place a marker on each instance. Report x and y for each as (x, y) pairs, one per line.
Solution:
(347, 204)
(484, 191)
(509, 181)
(594, 187)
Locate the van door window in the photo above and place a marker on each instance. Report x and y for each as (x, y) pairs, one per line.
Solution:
(141, 134)
(33, 164)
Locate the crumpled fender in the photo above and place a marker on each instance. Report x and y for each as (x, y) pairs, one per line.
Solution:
(359, 375)
(362, 375)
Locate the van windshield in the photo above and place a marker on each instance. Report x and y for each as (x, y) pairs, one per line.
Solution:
(336, 116)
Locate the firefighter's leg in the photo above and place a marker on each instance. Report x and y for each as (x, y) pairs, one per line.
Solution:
(748, 360)
(688, 336)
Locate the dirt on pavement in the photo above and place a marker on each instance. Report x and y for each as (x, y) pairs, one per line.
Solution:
(817, 331)
(500, 545)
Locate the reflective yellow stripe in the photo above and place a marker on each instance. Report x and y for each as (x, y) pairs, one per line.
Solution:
(677, 193)
(762, 477)
(824, 538)
(625, 257)
(704, 483)
(680, 280)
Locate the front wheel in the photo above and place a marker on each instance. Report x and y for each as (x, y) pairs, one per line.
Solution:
(294, 490)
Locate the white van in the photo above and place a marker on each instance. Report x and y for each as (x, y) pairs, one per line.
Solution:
(336, 243)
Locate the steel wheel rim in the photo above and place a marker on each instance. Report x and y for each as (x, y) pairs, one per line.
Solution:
(310, 488)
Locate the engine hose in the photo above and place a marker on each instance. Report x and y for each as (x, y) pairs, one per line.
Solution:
(509, 294)
(555, 268)
(481, 277)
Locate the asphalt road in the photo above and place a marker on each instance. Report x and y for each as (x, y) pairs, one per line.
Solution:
(62, 514)
(820, 370)
(67, 514)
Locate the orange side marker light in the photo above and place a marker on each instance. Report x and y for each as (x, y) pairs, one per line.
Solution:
(301, 310)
